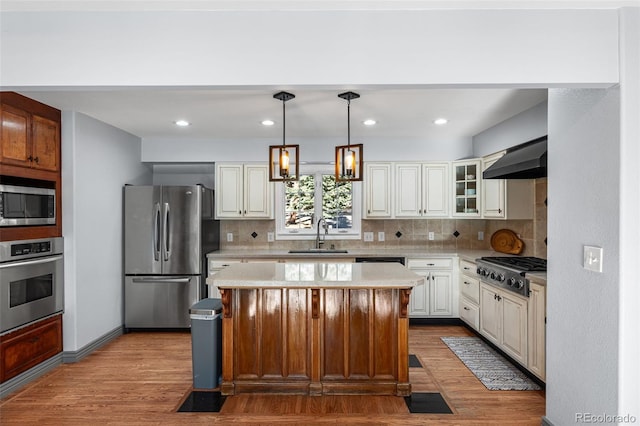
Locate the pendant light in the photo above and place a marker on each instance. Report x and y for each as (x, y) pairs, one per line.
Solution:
(283, 159)
(349, 157)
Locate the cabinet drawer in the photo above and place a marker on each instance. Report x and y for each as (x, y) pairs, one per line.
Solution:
(431, 263)
(467, 268)
(470, 287)
(217, 265)
(30, 346)
(470, 313)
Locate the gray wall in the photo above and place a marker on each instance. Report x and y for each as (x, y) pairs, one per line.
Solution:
(98, 159)
(518, 129)
(311, 150)
(582, 306)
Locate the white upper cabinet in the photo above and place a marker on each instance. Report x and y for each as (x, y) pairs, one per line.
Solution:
(466, 188)
(422, 189)
(435, 189)
(506, 198)
(243, 191)
(377, 181)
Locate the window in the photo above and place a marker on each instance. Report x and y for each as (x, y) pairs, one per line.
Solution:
(299, 205)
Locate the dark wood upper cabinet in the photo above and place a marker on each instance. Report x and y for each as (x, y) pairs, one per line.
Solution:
(30, 149)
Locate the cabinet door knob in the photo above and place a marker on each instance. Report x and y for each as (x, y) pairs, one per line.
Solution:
(37, 160)
(466, 309)
(29, 158)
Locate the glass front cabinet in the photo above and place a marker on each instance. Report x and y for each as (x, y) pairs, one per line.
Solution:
(466, 178)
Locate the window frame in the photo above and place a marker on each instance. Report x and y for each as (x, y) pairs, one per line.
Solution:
(355, 232)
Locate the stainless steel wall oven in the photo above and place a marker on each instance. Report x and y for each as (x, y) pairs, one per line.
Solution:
(31, 281)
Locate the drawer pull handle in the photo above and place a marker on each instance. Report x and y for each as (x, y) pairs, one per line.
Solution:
(431, 264)
(466, 309)
(34, 339)
(467, 283)
(466, 268)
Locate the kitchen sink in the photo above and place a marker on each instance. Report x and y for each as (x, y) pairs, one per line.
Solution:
(316, 251)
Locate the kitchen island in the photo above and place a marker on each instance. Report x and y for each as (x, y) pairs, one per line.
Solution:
(315, 328)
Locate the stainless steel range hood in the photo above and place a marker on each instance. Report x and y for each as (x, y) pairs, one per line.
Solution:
(524, 161)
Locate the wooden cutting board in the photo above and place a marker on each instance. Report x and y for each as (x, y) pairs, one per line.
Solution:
(506, 241)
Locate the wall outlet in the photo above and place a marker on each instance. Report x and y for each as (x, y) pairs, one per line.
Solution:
(229, 237)
(432, 236)
(368, 236)
(381, 236)
(270, 237)
(480, 236)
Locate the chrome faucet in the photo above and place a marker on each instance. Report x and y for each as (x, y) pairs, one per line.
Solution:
(326, 231)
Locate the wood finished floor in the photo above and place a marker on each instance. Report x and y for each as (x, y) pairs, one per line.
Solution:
(142, 378)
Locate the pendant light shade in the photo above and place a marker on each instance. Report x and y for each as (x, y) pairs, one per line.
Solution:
(349, 163)
(283, 159)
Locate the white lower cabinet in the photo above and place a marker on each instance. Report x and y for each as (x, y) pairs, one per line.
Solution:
(503, 320)
(213, 267)
(537, 329)
(470, 313)
(437, 297)
(469, 294)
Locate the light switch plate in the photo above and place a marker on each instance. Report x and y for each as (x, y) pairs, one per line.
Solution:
(381, 236)
(368, 236)
(480, 236)
(432, 236)
(270, 237)
(229, 237)
(592, 258)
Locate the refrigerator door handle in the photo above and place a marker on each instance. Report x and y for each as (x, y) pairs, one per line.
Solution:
(156, 232)
(167, 241)
(162, 280)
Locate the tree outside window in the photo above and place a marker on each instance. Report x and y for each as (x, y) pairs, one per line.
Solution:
(317, 195)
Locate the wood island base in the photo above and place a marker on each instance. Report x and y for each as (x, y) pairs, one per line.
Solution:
(316, 341)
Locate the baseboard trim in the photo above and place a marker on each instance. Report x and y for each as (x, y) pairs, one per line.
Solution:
(435, 321)
(69, 357)
(30, 375)
(546, 421)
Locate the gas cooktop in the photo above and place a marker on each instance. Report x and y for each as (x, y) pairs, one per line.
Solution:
(509, 272)
(521, 263)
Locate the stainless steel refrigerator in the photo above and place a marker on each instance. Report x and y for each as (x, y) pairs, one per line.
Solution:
(168, 230)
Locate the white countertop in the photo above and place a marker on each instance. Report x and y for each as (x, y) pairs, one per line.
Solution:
(358, 252)
(315, 275)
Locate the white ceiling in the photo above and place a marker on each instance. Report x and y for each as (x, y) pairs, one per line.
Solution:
(238, 113)
(311, 5)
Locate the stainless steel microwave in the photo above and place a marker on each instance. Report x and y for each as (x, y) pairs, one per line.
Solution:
(27, 205)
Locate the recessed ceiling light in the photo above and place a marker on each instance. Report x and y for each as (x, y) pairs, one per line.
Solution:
(182, 123)
(369, 122)
(268, 122)
(440, 121)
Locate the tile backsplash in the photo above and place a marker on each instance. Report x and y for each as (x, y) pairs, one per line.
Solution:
(414, 233)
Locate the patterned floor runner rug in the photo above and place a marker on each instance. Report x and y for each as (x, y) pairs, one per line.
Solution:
(492, 369)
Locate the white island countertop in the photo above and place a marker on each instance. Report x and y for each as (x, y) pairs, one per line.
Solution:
(315, 275)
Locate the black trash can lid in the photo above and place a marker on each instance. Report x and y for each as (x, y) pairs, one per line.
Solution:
(206, 307)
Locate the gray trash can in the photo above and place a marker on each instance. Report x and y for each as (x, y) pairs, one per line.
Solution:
(206, 343)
